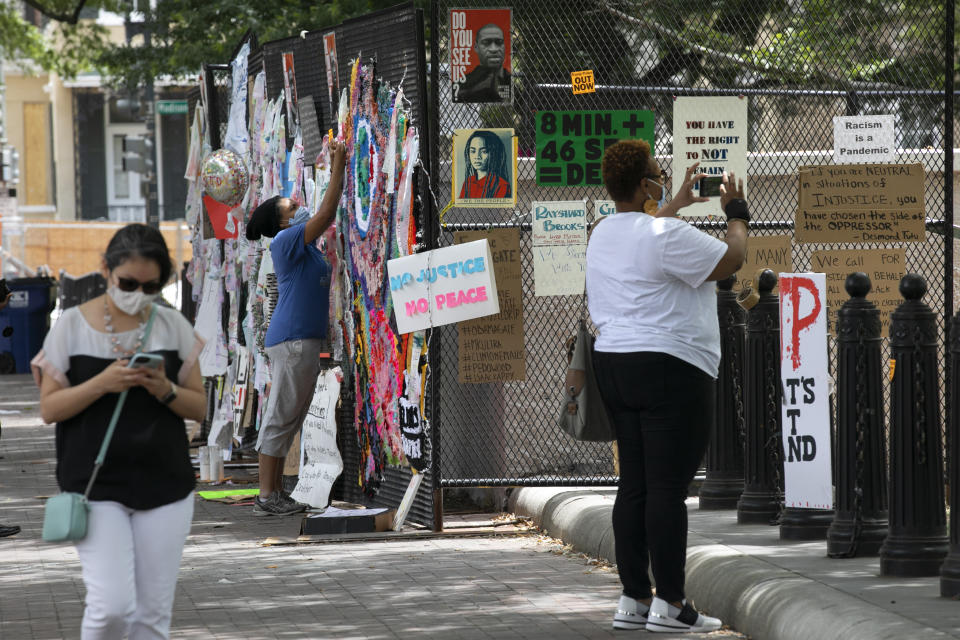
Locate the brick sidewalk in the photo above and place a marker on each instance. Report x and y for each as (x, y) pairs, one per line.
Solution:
(231, 587)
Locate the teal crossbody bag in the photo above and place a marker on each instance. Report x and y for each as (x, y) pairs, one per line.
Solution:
(65, 514)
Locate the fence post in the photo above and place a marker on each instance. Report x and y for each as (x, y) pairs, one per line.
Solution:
(916, 543)
(860, 523)
(724, 481)
(950, 569)
(762, 492)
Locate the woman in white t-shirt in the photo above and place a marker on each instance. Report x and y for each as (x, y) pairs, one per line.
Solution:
(650, 294)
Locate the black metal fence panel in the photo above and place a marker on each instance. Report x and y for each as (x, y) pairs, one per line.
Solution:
(393, 41)
(796, 66)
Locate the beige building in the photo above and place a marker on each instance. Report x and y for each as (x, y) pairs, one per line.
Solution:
(69, 134)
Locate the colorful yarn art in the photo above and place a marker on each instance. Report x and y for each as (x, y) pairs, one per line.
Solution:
(374, 129)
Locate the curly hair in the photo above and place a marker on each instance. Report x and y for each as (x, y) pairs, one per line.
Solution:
(624, 165)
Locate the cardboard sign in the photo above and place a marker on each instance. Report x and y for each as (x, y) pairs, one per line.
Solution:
(582, 82)
(885, 267)
(558, 223)
(570, 144)
(443, 286)
(492, 349)
(861, 203)
(764, 252)
(480, 55)
(713, 132)
(320, 461)
(560, 270)
(806, 399)
(863, 139)
(484, 168)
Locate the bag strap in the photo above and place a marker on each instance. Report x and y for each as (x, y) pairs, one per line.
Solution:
(116, 412)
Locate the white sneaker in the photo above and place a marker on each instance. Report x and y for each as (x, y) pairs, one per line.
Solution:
(663, 617)
(631, 614)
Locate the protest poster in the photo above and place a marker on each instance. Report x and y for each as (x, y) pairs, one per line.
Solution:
(885, 267)
(863, 139)
(764, 252)
(491, 349)
(558, 223)
(333, 69)
(570, 144)
(713, 132)
(806, 399)
(320, 461)
(480, 56)
(290, 92)
(443, 286)
(484, 168)
(603, 208)
(861, 203)
(559, 270)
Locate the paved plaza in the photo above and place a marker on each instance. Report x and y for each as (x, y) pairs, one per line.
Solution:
(521, 585)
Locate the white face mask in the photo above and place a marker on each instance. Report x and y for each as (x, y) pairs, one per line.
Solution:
(130, 302)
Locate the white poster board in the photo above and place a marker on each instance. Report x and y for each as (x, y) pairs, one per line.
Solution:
(558, 223)
(560, 271)
(806, 400)
(320, 462)
(713, 132)
(443, 286)
(860, 139)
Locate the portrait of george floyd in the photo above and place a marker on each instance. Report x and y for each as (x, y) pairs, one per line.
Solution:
(480, 55)
(484, 167)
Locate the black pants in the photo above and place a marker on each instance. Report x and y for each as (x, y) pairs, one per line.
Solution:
(661, 408)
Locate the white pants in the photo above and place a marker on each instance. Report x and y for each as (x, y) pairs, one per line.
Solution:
(130, 562)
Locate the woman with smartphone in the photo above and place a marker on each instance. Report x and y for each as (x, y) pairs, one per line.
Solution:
(141, 503)
(651, 295)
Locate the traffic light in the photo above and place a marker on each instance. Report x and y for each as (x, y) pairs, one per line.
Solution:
(138, 154)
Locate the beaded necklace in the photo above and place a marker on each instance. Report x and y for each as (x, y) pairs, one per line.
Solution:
(115, 340)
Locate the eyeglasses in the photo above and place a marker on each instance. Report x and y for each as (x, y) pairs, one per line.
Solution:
(662, 176)
(129, 284)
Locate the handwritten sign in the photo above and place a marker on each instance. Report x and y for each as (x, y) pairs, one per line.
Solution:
(443, 286)
(884, 266)
(765, 252)
(863, 139)
(412, 434)
(713, 132)
(491, 349)
(582, 82)
(861, 203)
(570, 144)
(806, 400)
(603, 208)
(320, 462)
(560, 271)
(557, 223)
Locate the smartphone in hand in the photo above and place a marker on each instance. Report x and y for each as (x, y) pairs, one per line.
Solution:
(710, 186)
(149, 360)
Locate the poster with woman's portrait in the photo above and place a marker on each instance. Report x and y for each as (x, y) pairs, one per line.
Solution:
(290, 90)
(480, 57)
(484, 168)
(333, 69)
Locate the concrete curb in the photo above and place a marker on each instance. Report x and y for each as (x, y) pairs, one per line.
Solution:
(755, 597)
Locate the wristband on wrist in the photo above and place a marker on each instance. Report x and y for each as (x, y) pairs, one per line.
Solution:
(737, 210)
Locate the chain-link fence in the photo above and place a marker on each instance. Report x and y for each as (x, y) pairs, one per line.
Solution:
(798, 65)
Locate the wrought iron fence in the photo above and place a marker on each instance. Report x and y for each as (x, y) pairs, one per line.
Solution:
(796, 67)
